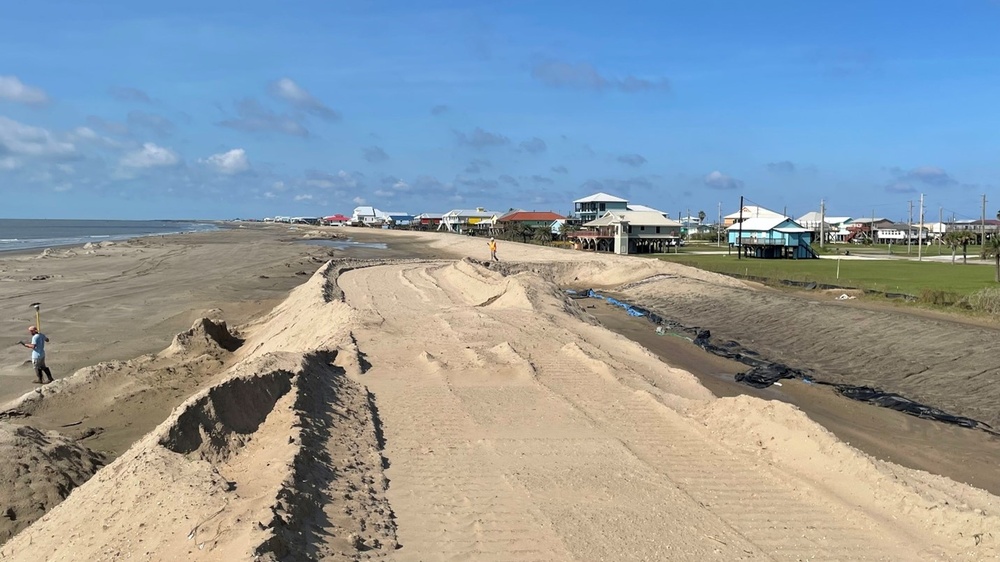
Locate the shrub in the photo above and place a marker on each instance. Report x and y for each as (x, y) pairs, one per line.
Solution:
(984, 300)
(939, 297)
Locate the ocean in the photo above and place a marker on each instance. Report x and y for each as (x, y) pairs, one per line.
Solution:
(27, 234)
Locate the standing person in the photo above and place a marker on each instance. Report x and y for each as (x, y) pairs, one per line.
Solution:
(493, 250)
(37, 347)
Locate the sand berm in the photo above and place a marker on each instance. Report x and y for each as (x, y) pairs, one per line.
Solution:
(452, 409)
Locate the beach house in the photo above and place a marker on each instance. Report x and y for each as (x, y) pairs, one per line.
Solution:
(593, 206)
(750, 212)
(771, 237)
(465, 221)
(629, 232)
(367, 215)
(427, 221)
(533, 219)
(336, 220)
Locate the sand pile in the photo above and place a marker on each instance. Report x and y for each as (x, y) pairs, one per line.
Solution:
(449, 410)
(38, 471)
(205, 337)
(251, 468)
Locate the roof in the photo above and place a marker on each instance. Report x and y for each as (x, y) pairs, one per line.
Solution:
(531, 216)
(604, 197)
(429, 216)
(754, 211)
(640, 208)
(814, 216)
(470, 213)
(768, 223)
(365, 210)
(337, 217)
(635, 218)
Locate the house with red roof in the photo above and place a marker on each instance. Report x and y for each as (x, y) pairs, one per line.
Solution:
(534, 219)
(336, 220)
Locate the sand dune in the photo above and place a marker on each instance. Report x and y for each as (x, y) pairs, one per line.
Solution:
(443, 409)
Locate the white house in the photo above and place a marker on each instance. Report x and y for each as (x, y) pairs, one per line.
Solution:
(751, 212)
(366, 216)
(630, 232)
(464, 220)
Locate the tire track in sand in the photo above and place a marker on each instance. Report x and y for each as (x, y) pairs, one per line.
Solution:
(506, 443)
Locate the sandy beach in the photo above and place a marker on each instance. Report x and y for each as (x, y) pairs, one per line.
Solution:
(241, 395)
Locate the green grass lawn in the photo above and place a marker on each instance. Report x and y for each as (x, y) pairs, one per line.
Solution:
(891, 276)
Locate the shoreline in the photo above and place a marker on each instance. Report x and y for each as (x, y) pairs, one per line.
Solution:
(116, 238)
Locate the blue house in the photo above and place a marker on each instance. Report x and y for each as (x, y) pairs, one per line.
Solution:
(593, 206)
(771, 237)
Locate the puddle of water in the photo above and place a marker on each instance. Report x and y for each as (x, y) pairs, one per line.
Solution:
(347, 244)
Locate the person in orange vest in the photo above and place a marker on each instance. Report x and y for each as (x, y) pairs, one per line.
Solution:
(493, 250)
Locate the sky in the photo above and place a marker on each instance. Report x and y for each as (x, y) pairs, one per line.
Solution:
(222, 109)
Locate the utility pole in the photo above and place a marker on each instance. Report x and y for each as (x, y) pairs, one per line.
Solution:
(739, 234)
(920, 233)
(909, 229)
(822, 222)
(718, 228)
(871, 228)
(941, 229)
(983, 240)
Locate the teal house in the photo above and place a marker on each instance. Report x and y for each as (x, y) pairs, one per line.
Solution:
(771, 238)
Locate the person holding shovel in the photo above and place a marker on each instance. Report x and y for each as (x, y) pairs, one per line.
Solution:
(493, 250)
(37, 347)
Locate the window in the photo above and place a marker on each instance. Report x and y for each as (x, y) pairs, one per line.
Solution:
(657, 230)
(642, 228)
(602, 206)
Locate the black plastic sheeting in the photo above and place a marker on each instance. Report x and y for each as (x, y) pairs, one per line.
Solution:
(764, 373)
(902, 404)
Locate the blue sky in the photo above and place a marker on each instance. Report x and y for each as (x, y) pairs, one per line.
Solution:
(249, 109)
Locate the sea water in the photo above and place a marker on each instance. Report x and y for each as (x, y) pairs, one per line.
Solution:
(27, 234)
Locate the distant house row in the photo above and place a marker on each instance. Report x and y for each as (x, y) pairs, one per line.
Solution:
(606, 223)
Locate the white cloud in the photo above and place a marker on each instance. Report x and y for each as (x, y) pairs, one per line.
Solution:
(12, 89)
(278, 186)
(358, 201)
(269, 195)
(286, 89)
(88, 135)
(401, 186)
(384, 193)
(233, 162)
(303, 197)
(9, 163)
(150, 156)
(25, 140)
(718, 180)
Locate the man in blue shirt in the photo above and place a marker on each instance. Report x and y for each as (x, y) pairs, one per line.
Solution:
(37, 347)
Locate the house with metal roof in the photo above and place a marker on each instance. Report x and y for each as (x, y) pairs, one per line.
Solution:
(771, 237)
(427, 221)
(630, 232)
(750, 212)
(468, 220)
(336, 220)
(534, 219)
(593, 206)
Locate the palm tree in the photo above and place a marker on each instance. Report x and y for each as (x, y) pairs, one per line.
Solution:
(701, 217)
(991, 249)
(959, 238)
